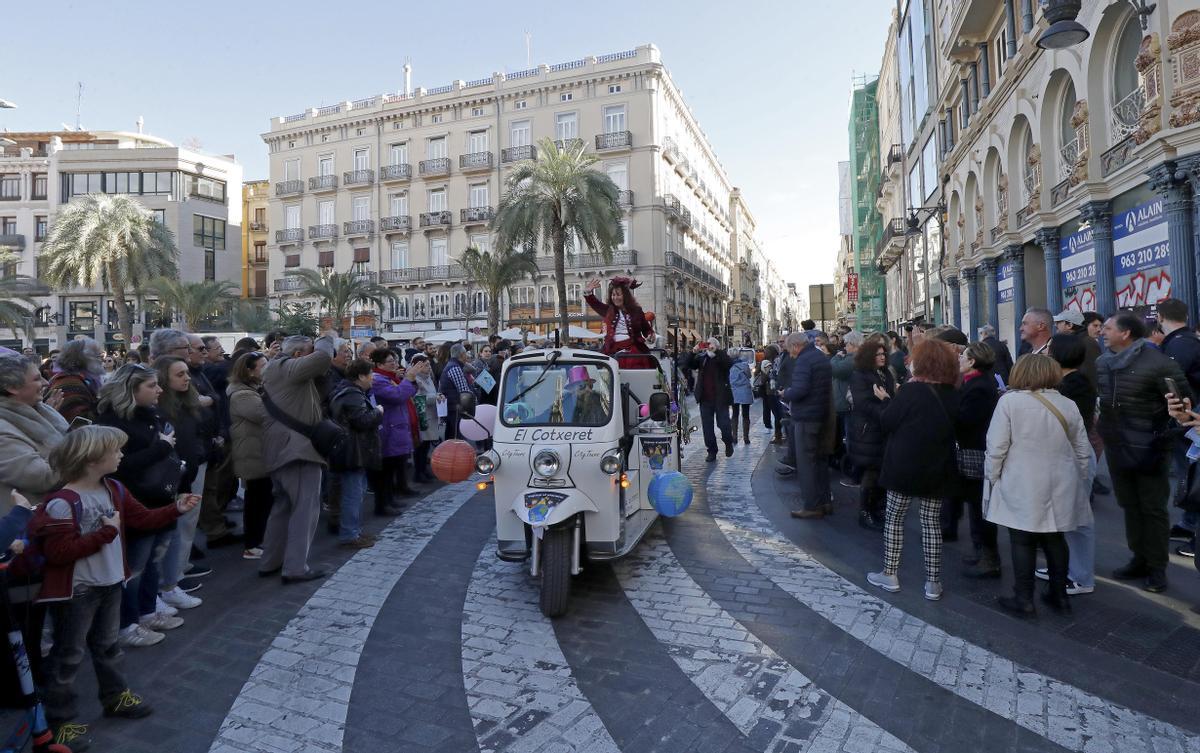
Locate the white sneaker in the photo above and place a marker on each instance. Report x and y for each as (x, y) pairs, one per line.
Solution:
(136, 636)
(253, 553)
(162, 607)
(887, 582)
(159, 621)
(178, 599)
(1042, 573)
(1074, 589)
(933, 590)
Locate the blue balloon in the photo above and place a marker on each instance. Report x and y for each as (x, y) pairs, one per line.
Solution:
(670, 493)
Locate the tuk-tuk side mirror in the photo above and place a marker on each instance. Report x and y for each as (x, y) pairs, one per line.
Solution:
(466, 403)
(660, 407)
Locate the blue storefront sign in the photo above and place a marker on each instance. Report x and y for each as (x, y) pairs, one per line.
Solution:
(1078, 258)
(1004, 282)
(1141, 255)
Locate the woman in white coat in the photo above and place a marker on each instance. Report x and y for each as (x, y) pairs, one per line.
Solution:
(1037, 471)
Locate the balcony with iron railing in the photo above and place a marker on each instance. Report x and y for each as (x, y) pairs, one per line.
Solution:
(12, 241)
(358, 227)
(288, 284)
(368, 277)
(625, 198)
(895, 154)
(670, 150)
(1126, 114)
(565, 144)
(614, 140)
(394, 276)
(1068, 158)
(290, 235)
(435, 166)
(358, 177)
(322, 232)
(671, 205)
(289, 187)
(475, 161)
(395, 172)
(435, 219)
(395, 224)
(476, 215)
(619, 259)
(258, 227)
(518, 153)
(322, 183)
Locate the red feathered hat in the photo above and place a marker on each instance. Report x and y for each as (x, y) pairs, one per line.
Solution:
(628, 282)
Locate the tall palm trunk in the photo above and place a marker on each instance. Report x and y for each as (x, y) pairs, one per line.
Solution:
(493, 312)
(124, 324)
(560, 280)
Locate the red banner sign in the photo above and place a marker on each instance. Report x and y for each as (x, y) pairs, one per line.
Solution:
(852, 286)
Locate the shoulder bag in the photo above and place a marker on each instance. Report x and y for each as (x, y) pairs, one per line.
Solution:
(970, 462)
(327, 436)
(1062, 420)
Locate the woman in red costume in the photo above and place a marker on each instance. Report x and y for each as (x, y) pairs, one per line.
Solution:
(626, 326)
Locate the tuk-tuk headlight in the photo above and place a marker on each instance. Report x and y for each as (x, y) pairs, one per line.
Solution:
(611, 462)
(485, 464)
(546, 463)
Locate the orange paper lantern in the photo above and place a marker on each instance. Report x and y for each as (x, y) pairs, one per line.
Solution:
(453, 461)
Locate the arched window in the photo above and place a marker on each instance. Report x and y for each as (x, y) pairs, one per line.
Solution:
(1127, 95)
(1069, 144)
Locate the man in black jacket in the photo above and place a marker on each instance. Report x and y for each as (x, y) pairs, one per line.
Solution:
(809, 396)
(1135, 425)
(1182, 345)
(783, 378)
(1004, 361)
(712, 366)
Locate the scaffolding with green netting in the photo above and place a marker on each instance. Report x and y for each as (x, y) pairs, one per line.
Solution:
(865, 179)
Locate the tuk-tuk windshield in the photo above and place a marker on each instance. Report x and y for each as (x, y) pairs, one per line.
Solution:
(570, 394)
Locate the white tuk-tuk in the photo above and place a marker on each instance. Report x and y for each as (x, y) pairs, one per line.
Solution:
(577, 441)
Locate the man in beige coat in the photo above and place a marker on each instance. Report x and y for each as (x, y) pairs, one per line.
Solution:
(291, 382)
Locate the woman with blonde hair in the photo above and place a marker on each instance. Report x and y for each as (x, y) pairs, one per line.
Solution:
(1036, 429)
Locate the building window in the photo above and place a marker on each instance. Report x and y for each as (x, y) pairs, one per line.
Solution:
(439, 305)
(81, 315)
(479, 303)
(260, 215)
(618, 173)
(397, 125)
(478, 195)
(361, 132)
(435, 148)
(40, 226)
(400, 308)
(398, 204)
(520, 133)
(477, 141)
(291, 169)
(325, 215)
(325, 165)
(614, 88)
(291, 217)
(476, 111)
(208, 232)
(520, 104)
(360, 208)
(197, 187)
(291, 145)
(399, 254)
(362, 159)
(324, 138)
(400, 153)
(566, 97)
(481, 242)
(8, 225)
(1001, 54)
(210, 264)
(574, 294)
(566, 126)
(437, 118)
(260, 251)
(460, 303)
(614, 118)
(418, 307)
(437, 200)
(438, 254)
(40, 185)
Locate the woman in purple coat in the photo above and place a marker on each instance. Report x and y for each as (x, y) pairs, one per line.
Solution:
(393, 390)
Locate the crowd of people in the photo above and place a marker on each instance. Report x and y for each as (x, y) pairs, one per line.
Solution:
(956, 428)
(119, 473)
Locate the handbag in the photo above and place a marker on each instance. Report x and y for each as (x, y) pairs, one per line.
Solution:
(157, 484)
(326, 436)
(969, 462)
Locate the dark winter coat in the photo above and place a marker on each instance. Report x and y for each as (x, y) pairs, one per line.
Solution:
(899, 367)
(1004, 360)
(1183, 346)
(143, 448)
(808, 393)
(866, 435)
(919, 459)
(351, 407)
(712, 378)
(977, 399)
(1076, 388)
(1133, 412)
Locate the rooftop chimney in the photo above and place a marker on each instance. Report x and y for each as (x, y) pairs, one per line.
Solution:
(140, 122)
(408, 79)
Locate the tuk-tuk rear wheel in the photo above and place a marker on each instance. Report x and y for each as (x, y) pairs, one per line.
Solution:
(556, 570)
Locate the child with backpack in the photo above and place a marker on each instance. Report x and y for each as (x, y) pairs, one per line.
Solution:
(81, 534)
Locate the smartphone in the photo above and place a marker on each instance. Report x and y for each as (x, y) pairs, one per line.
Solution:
(79, 421)
(168, 428)
(1173, 388)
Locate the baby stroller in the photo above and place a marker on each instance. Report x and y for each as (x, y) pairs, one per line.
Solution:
(32, 726)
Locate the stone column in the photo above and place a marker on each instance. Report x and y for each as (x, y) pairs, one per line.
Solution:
(970, 276)
(1189, 168)
(1016, 256)
(1010, 25)
(951, 285)
(1099, 214)
(1026, 16)
(964, 115)
(974, 88)
(991, 268)
(985, 69)
(1047, 238)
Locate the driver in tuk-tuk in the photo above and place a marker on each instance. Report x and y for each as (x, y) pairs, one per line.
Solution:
(589, 404)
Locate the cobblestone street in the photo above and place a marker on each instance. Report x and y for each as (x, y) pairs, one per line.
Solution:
(731, 628)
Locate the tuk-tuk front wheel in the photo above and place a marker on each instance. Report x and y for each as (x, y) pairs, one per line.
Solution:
(556, 570)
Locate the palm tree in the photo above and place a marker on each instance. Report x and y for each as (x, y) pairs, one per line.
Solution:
(194, 302)
(16, 302)
(560, 197)
(296, 319)
(338, 291)
(253, 317)
(496, 272)
(109, 240)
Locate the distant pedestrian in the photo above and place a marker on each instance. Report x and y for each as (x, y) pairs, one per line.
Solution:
(743, 394)
(764, 385)
(977, 402)
(711, 364)
(1002, 355)
(353, 407)
(247, 419)
(866, 434)
(809, 398)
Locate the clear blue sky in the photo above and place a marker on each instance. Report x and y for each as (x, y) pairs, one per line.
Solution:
(769, 81)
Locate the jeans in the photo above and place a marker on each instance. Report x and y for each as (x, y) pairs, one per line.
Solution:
(1142, 495)
(1082, 561)
(90, 619)
(354, 486)
(1024, 556)
(139, 596)
(720, 413)
(259, 497)
(811, 469)
(180, 549)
